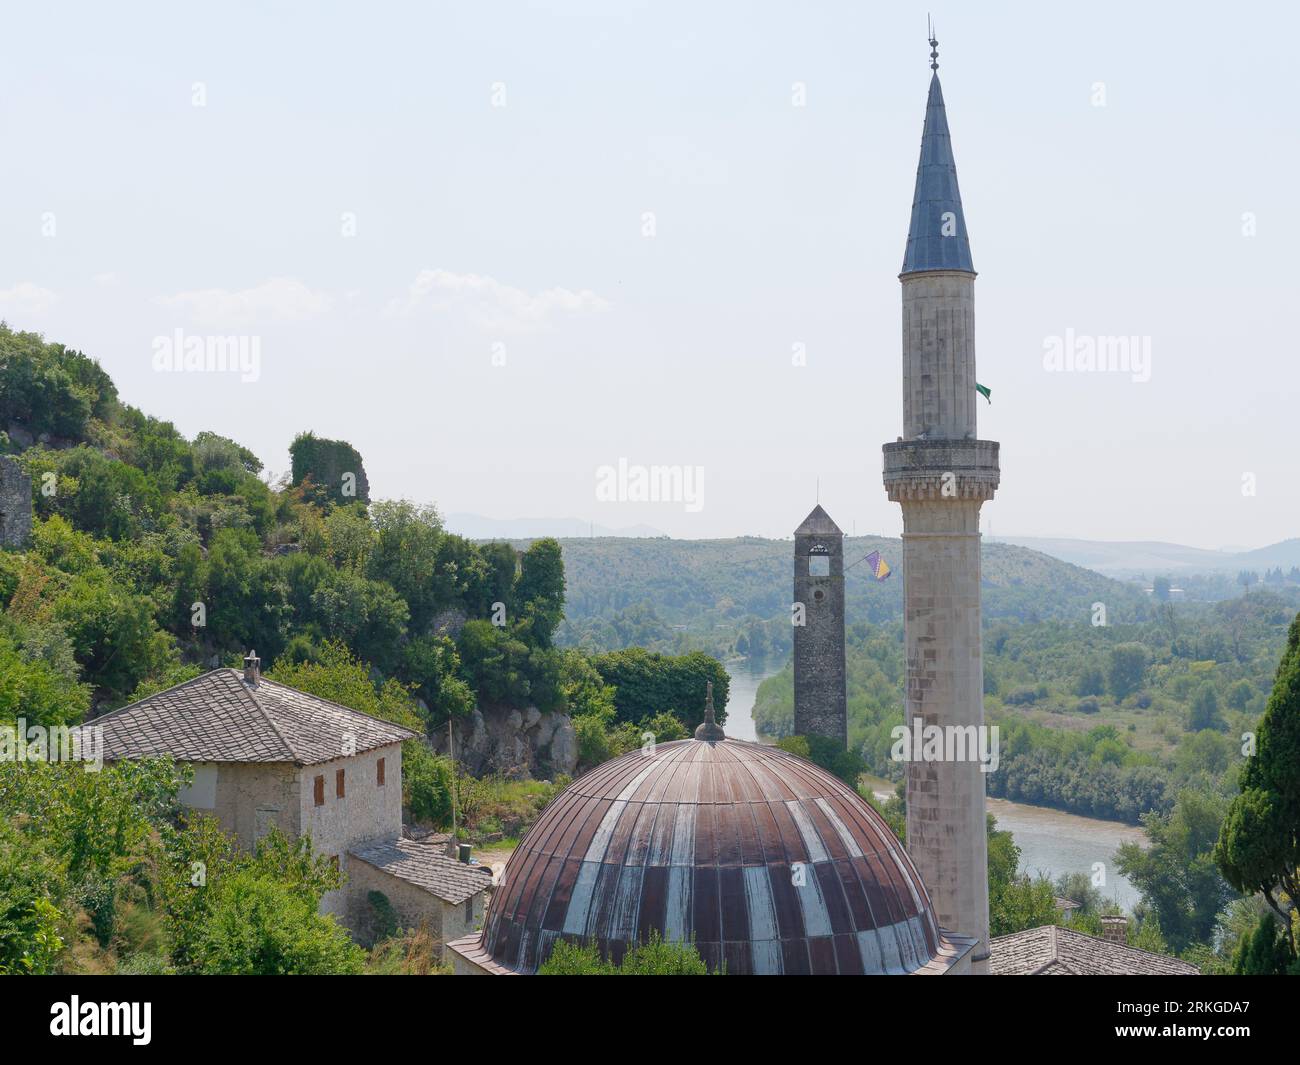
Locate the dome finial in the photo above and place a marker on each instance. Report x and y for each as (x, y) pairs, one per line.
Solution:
(934, 45)
(710, 730)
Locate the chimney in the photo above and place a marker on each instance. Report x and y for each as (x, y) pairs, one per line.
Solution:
(252, 668)
(465, 850)
(1114, 929)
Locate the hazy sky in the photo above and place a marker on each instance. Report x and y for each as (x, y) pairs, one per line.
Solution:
(497, 164)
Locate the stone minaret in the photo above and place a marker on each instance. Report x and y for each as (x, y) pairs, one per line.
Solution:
(941, 473)
(819, 699)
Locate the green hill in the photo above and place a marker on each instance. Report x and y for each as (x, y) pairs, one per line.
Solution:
(733, 596)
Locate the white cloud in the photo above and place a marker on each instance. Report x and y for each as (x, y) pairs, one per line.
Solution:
(489, 303)
(26, 298)
(280, 299)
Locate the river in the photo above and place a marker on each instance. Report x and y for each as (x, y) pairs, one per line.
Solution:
(746, 675)
(1051, 842)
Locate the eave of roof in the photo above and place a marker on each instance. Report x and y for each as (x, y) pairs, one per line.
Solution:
(427, 867)
(218, 717)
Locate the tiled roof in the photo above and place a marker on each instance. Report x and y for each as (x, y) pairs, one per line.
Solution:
(217, 717)
(1052, 951)
(426, 866)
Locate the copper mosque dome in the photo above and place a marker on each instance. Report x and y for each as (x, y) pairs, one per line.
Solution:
(766, 862)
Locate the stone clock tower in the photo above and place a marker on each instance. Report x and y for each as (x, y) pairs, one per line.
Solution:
(819, 678)
(941, 473)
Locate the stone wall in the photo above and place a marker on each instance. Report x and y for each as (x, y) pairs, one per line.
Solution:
(946, 835)
(251, 797)
(939, 355)
(366, 812)
(15, 504)
(412, 905)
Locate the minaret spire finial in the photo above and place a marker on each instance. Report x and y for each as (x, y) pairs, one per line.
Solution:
(934, 45)
(709, 729)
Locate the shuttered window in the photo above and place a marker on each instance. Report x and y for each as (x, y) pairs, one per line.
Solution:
(339, 790)
(318, 791)
(379, 772)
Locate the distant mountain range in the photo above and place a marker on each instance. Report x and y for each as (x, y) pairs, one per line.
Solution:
(477, 527)
(1128, 558)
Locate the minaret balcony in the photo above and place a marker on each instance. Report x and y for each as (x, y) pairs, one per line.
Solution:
(941, 469)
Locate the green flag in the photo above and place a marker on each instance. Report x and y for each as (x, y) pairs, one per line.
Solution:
(984, 391)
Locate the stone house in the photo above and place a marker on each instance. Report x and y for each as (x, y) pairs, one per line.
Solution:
(421, 882)
(15, 504)
(266, 755)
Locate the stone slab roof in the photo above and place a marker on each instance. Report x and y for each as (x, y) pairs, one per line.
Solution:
(427, 866)
(818, 523)
(218, 717)
(1053, 951)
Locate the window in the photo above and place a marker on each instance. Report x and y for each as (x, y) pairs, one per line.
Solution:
(819, 565)
(318, 791)
(379, 772)
(339, 790)
(469, 909)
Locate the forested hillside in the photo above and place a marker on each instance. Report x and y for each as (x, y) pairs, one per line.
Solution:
(1106, 721)
(733, 596)
(153, 556)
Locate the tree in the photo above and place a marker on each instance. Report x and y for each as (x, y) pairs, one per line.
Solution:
(646, 684)
(30, 922)
(1160, 589)
(539, 592)
(1265, 952)
(1125, 668)
(656, 957)
(1205, 710)
(1177, 874)
(1091, 681)
(405, 554)
(1016, 901)
(252, 914)
(113, 632)
(1259, 846)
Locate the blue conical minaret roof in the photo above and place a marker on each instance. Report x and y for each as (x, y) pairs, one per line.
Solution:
(932, 245)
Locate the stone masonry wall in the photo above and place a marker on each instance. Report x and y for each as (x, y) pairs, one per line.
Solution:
(366, 812)
(946, 834)
(15, 504)
(939, 397)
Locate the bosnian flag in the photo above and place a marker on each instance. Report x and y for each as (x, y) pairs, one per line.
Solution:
(879, 567)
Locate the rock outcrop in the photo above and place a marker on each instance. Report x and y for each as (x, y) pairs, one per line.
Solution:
(515, 743)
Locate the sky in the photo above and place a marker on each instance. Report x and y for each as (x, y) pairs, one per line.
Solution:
(503, 248)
